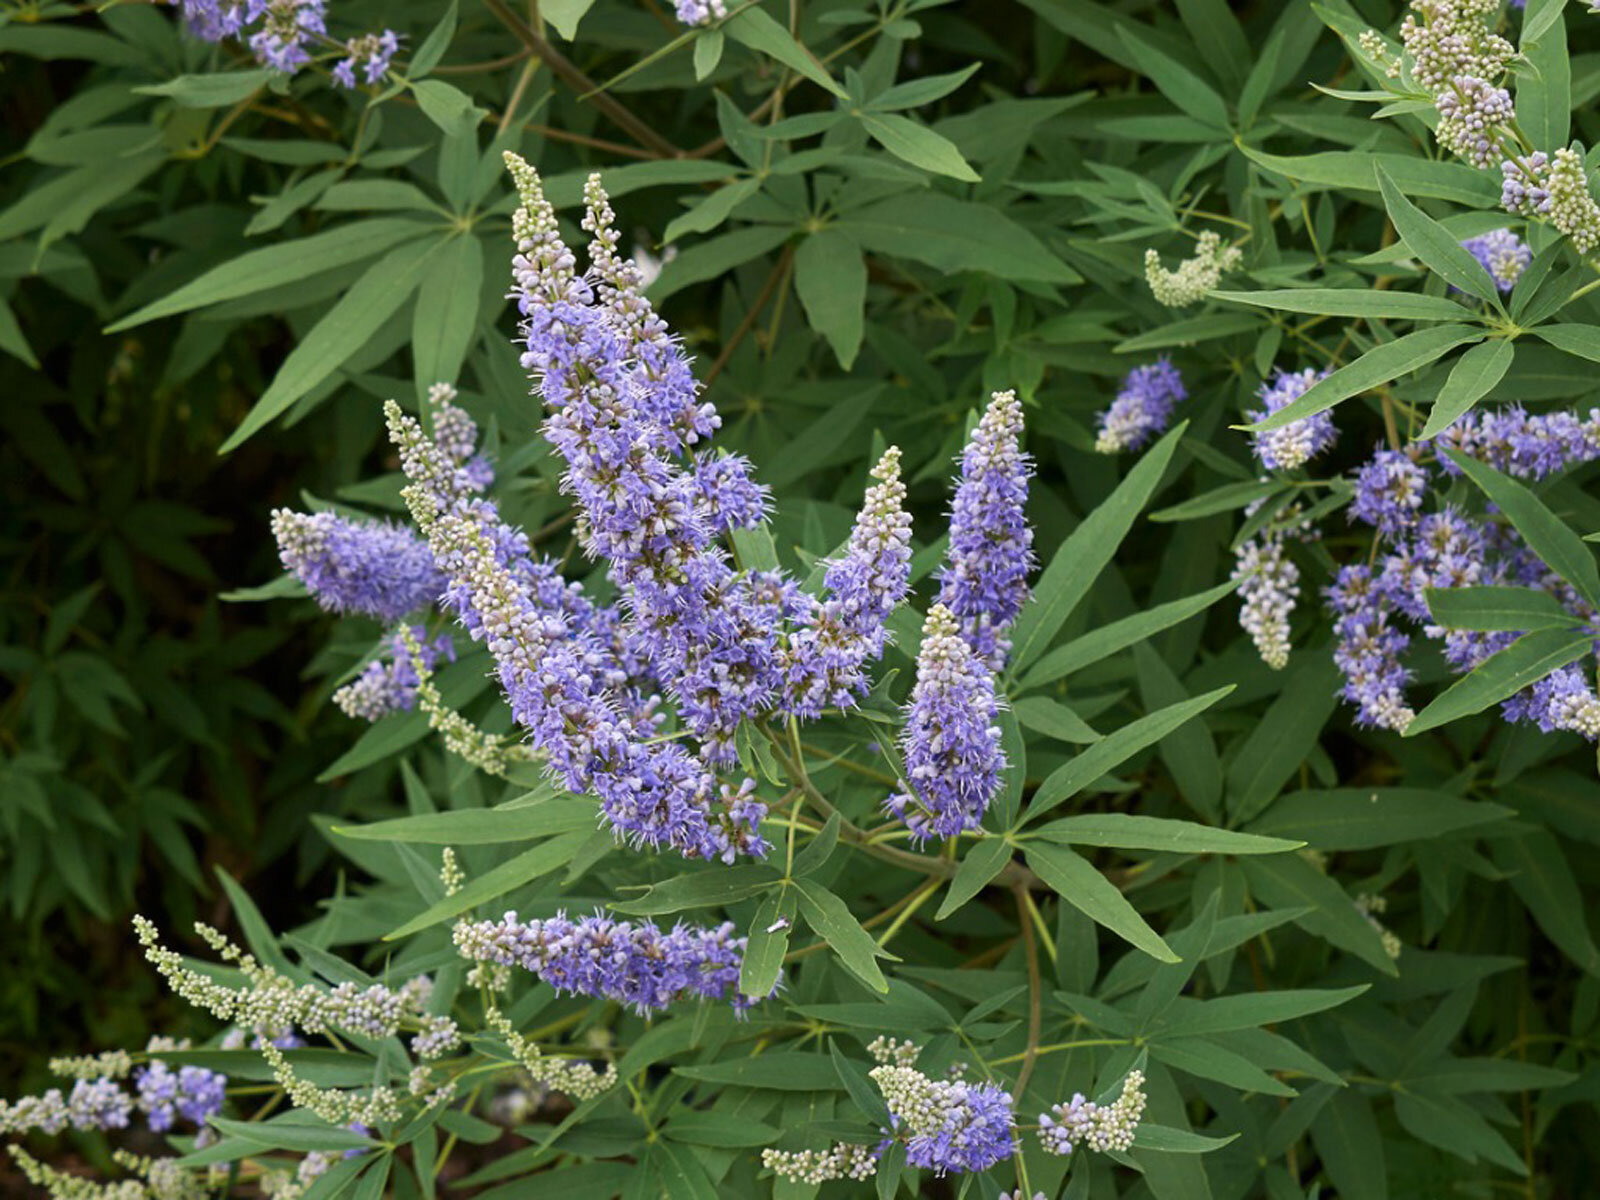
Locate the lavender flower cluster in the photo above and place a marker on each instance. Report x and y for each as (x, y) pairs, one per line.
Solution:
(952, 1125)
(192, 1094)
(639, 965)
(1295, 444)
(726, 644)
(1142, 409)
(1378, 607)
(282, 34)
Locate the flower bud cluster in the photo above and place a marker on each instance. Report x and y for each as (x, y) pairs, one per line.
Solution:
(270, 1001)
(826, 658)
(385, 687)
(1269, 585)
(1472, 117)
(1195, 276)
(575, 1077)
(1445, 39)
(1372, 907)
(841, 1161)
(1084, 1122)
(638, 965)
(887, 1050)
(1556, 188)
(701, 12)
(947, 1125)
(1142, 409)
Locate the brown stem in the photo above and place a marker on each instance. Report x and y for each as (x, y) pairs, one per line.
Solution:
(778, 271)
(1012, 875)
(1035, 992)
(573, 76)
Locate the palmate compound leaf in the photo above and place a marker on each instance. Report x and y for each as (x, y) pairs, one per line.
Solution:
(343, 330)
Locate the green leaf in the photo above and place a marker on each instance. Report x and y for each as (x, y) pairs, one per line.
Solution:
(1581, 340)
(491, 885)
(1438, 249)
(1108, 639)
(766, 943)
(12, 340)
(1252, 1009)
(754, 27)
(434, 45)
(1544, 89)
(707, 53)
(832, 919)
(1376, 367)
(1183, 87)
(258, 935)
(712, 211)
(918, 145)
(1055, 720)
(819, 849)
(1289, 881)
(1526, 661)
(445, 318)
(954, 235)
(1227, 498)
(216, 90)
(1189, 331)
(1283, 737)
(564, 15)
(1076, 881)
(482, 826)
(1150, 1136)
(1128, 832)
(702, 889)
(1114, 748)
(1078, 563)
(1498, 609)
(294, 1133)
(979, 865)
(445, 105)
(343, 330)
(708, 259)
(720, 1129)
(830, 277)
(1547, 536)
(795, 1071)
(1543, 880)
(1366, 818)
(1354, 302)
(275, 266)
(1345, 1133)
(1355, 170)
(1474, 376)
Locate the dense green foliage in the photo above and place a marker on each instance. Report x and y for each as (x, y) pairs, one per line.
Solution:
(210, 278)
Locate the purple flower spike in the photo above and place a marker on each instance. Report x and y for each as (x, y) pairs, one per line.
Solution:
(985, 581)
(951, 743)
(828, 657)
(369, 567)
(1503, 254)
(639, 965)
(1142, 409)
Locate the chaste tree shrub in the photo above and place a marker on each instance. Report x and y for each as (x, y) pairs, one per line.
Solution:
(1034, 636)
